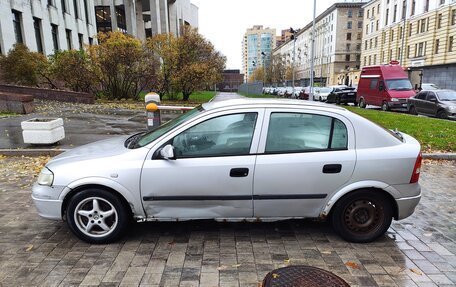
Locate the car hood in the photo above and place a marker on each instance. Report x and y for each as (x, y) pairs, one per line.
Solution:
(100, 149)
(401, 94)
(449, 103)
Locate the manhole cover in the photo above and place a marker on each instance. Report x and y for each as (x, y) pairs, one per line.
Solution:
(302, 276)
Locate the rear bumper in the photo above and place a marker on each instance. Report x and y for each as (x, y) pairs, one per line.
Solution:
(406, 206)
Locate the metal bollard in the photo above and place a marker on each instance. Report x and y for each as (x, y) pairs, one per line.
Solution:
(153, 113)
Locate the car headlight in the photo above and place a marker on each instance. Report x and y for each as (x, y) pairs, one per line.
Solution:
(46, 177)
(452, 108)
(394, 100)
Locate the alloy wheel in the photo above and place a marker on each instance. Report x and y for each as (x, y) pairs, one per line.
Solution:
(96, 217)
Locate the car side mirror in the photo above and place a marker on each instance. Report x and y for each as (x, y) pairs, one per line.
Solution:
(381, 88)
(167, 152)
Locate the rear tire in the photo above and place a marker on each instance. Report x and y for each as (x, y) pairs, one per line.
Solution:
(385, 106)
(337, 100)
(362, 103)
(413, 111)
(362, 216)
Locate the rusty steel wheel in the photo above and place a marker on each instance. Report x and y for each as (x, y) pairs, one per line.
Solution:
(362, 216)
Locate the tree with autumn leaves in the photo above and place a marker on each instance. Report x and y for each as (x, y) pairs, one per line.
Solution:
(121, 66)
(188, 63)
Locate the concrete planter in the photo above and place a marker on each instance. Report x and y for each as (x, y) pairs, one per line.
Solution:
(43, 131)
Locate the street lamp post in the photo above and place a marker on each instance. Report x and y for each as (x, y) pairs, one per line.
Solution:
(312, 48)
(263, 55)
(293, 37)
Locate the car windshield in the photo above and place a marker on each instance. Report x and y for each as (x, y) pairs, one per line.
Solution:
(447, 95)
(152, 135)
(399, 85)
(429, 87)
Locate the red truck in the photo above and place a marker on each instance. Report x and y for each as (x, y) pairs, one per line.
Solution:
(387, 86)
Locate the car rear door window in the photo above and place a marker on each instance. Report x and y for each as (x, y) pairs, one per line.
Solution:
(298, 132)
(421, 96)
(227, 135)
(431, 96)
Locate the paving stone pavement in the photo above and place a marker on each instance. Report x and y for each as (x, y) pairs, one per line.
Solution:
(418, 251)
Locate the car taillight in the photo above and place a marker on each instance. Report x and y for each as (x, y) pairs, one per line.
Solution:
(416, 169)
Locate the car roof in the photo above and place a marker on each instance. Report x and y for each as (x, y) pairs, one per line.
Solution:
(438, 90)
(269, 102)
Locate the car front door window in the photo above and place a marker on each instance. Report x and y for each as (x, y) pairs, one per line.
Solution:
(221, 136)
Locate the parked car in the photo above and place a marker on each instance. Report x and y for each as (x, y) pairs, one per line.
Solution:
(436, 103)
(288, 92)
(297, 91)
(321, 93)
(387, 86)
(281, 91)
(342, 95)
(304, 94)
(238, 160)
(429, 87)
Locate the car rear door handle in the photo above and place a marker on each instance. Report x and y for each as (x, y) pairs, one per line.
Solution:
(239, 172)
(332, 168)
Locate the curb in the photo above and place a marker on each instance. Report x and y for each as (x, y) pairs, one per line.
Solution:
(54, 152)
(31, 152)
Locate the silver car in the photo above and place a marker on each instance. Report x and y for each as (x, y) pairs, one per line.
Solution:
(238, 160)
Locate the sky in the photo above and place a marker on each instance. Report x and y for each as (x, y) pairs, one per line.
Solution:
(224, 22)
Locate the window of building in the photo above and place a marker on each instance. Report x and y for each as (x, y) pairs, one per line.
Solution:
(423, 25)
(299, 131)
(410, 29)
(404, 9)
(358, 58)
(378, 9)
(390, 55)
(437, 44)
(377, 25)
(412, 10)
(373, 11)
(426, 5)
(360, 13)
(360, 24)
(365, 45)
(367, 29)
(86, 12)
(121, 19)
(39, 40)
(394, 13)
(358, 47)
(400, 32)
(81, 41)
(386, 17)
(375, 59)
(370, 60)
(17, 23)
(90, 41)
(383, 56)
(420, 49)
(76, 9)
(392, 36)
(68, 38)
(359, 36)
(453, 16)
(370, 44)
(364, 61)
(349, 36)
(367, 15)
(347, 58)
(55, 36)
(408, 51)
(439, 21)
(450, 44)
(398, 56)
(442, 2)
(348, 47)
(350, 13)
(376, 41)
(103, 18)
(349, 24)
(64, 7)
(50, 2)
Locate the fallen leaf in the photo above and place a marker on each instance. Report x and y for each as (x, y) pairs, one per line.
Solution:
(236, 265)
(223, 267)
(286, 260)
(29, 247)
(353, 265)
(416, 271)
(275, 275)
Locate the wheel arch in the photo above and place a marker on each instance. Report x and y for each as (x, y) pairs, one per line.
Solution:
(132, 204)
(387, 192)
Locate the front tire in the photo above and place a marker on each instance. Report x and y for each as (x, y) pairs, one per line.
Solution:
(97, 216)
(413, 111)
(442, 115)
(385, 107)
(362, 216)
(337, 100)
(362, 103)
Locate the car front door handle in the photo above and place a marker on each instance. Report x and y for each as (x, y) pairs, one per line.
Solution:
(239, 172)
(332, 168)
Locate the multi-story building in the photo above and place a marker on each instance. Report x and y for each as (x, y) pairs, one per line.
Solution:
(257, 46)
(420, 34)
(144, 18)
(284, 36)
(337, 52)
(47, 25)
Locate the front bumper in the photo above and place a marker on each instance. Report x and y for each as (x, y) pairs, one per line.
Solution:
(47, 202)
